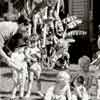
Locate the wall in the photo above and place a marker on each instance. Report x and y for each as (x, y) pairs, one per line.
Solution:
(80, 8)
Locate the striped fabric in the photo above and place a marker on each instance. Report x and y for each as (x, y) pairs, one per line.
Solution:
(71, 22)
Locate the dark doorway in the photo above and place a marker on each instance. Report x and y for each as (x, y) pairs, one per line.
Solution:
(80, 48)
(96, 21)
(96, 14)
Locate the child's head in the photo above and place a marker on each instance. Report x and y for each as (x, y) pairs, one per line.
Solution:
(62, 62)
(80, 80)
(63, 78)
(84, 63)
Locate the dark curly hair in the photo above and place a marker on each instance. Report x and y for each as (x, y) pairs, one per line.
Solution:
(23, 19)
(80, 80)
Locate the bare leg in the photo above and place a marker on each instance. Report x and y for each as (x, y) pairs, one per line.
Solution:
(39, 88)
(39, 85)
(30, 81)
(15, 80)
(14, 91)
(22, 83)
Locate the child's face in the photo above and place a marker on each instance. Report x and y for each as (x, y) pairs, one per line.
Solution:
(84, 63)
(21, 50)
(77, 83)
(62, 79)
(61, 83)
(85, 68)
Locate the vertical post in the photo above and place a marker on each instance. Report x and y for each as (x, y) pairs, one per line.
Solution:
(91, 29)
(70, 7)
(91, 20)
(10, 7)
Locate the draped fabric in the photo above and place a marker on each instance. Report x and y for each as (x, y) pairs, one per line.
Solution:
(31, 6)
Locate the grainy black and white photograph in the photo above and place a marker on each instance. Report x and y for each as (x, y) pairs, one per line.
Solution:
(49, 50)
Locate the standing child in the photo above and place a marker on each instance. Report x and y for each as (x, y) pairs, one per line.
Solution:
(33, 56)
(61, 90)
(19, 78)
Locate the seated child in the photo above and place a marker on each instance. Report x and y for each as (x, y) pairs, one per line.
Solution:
(80, 89)
(61, 90)
(84, 63)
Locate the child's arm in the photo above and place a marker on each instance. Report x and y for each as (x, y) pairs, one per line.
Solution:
(89, 82)
(49, 94)
(79, 93)
(82, 93)
(28, 54)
